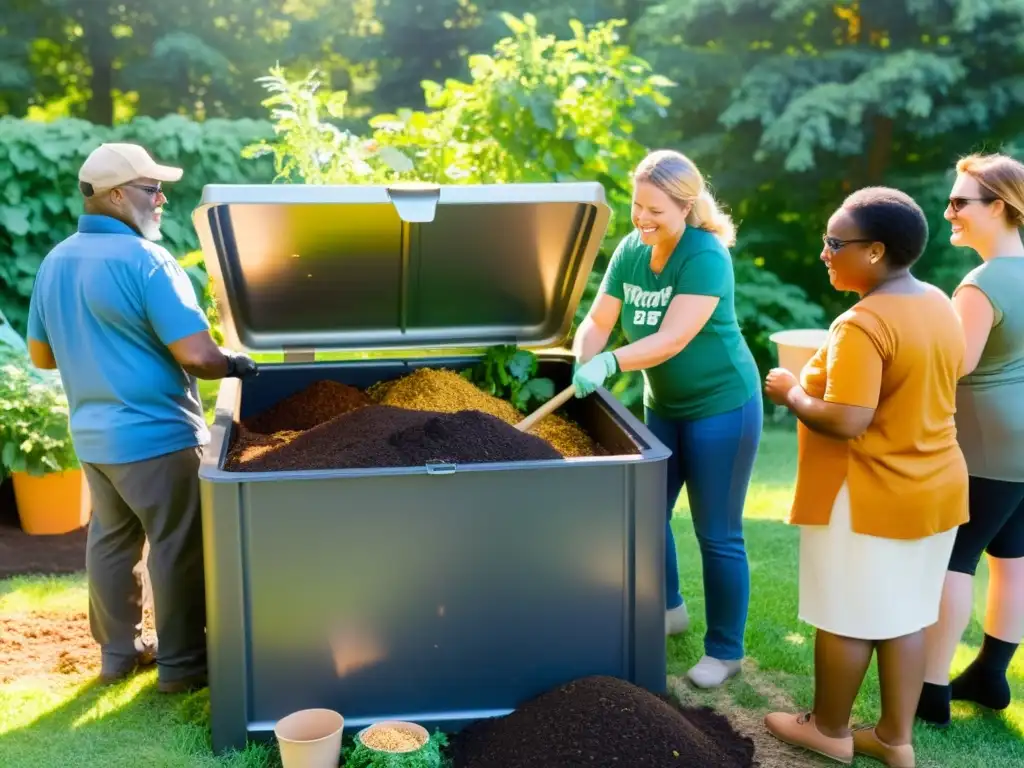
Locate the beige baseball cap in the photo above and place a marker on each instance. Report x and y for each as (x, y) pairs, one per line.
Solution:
(110, 165)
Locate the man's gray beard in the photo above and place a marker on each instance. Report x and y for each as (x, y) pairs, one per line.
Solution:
(151, 231)
(145, 224)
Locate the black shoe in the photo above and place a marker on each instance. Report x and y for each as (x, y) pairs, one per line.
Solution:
(184, 685)
(115, 670)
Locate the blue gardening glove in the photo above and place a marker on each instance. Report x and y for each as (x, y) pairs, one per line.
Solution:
(592, 375)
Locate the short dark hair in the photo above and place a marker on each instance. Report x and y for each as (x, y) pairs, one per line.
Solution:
(892, 218)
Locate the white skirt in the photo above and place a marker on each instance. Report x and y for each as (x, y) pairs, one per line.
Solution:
(867, 587)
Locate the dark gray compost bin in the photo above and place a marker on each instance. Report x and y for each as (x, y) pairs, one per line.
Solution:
(436, 594)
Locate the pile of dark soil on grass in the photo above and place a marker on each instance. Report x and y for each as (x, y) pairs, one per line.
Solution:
(318, 403)
(602, 722)
(385, 436)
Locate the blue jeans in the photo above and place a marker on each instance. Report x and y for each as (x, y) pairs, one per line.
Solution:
(714, 458)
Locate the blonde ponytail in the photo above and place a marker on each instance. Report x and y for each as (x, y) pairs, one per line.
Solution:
(706, 214)
(678, 177)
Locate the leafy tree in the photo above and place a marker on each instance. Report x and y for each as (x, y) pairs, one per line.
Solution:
(413, 41)
(408, 42)
(197, 57)
(16, 78)
(792, 104)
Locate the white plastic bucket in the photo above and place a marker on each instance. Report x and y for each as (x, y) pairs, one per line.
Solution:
(797, 346)
(310, 738)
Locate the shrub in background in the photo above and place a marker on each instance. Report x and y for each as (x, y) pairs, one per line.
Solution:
(39, 198)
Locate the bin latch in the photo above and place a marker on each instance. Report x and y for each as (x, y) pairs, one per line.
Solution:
(415, 202)
(440, 468)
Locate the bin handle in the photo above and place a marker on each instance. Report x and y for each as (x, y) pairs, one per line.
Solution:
(558, 400)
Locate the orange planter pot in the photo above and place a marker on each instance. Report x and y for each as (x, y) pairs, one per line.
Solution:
(52, 504)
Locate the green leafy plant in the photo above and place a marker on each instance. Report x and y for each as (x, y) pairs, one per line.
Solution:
(537, 108)
(311, 147)
(508, 372)
(35, 436)
(428, 756)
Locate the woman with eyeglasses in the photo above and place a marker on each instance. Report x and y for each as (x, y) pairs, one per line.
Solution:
(881, 482)
(986, 213)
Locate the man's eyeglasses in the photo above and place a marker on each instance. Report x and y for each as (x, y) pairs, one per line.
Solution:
(834, 243)
(959, 203)
(152, 191)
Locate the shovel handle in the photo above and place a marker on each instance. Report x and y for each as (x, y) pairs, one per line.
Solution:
(551, 405)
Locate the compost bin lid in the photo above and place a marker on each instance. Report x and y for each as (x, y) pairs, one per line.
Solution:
(363, 268)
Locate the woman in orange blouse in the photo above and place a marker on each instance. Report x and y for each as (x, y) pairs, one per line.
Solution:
(881, 481)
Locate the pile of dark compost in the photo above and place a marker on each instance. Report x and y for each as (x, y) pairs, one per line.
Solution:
(386, 436)
(601, 722)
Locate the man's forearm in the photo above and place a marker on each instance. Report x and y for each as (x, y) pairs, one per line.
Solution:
(215, 365)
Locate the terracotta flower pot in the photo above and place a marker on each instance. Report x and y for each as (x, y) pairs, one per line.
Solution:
(52, 504)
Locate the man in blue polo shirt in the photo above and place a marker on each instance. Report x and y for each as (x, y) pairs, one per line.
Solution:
(117, 316)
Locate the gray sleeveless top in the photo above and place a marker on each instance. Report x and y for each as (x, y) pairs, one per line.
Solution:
(990, 401)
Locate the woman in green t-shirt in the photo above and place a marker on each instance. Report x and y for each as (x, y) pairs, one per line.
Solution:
(986, 214)
(671, 283)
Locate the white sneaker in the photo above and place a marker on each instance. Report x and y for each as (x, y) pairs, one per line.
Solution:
(677, 620)
(711, 673)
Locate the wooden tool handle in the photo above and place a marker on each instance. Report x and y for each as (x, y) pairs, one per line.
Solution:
(560, 399)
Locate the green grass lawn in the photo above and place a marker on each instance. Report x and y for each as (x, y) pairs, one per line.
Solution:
(45, 722)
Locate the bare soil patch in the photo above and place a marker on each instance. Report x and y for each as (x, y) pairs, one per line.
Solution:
(48, 644)
(22, 554)
(43, 644)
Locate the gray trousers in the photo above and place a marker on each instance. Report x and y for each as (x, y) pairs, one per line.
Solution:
(158, 500)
